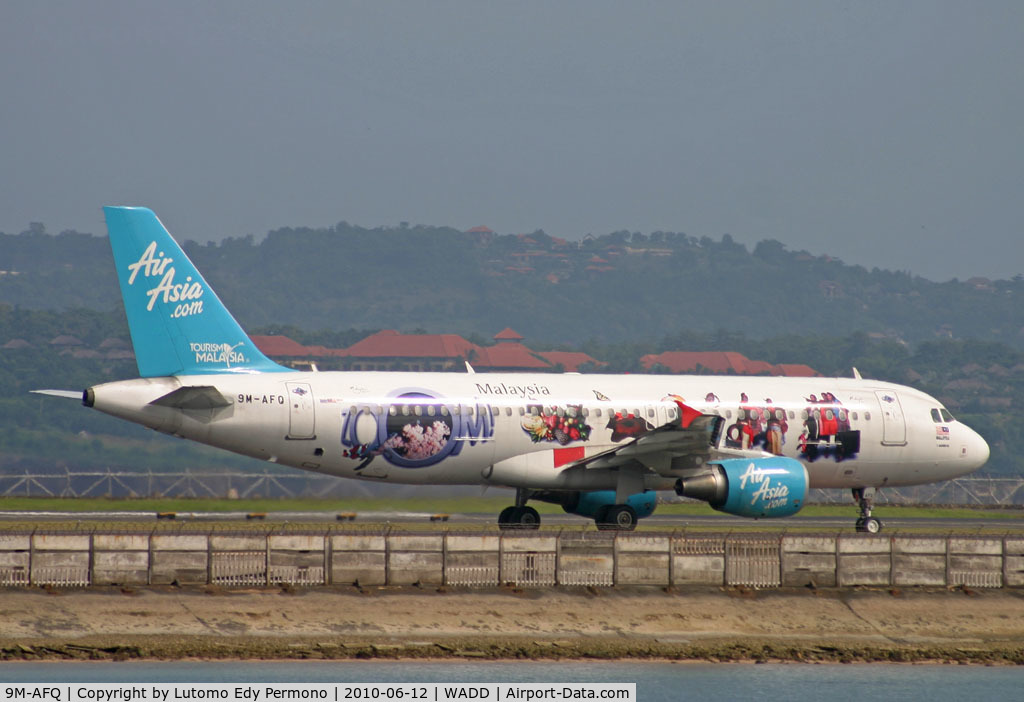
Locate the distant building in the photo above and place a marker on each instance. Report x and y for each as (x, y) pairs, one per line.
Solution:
(66, 341)
(392, 350)
(722, 363)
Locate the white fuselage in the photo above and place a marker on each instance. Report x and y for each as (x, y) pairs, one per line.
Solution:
(520, 430)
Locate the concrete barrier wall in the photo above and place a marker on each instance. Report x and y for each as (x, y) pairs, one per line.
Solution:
(524, 559)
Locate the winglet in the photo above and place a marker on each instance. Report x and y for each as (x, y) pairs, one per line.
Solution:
(686, 413)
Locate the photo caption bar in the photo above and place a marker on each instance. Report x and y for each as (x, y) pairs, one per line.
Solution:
(301, 692)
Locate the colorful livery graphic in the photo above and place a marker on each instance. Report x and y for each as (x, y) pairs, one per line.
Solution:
(601, 446)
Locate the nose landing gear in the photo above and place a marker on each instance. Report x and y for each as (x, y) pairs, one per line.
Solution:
(866, 523)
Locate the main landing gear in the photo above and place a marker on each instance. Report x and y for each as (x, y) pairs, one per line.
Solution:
(616, 518)
(866, 523)
(606, 517)
(519, 515)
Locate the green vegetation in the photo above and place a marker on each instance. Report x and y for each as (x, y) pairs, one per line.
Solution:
(614, 287)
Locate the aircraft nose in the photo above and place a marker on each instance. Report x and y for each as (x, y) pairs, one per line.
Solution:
(977, 450)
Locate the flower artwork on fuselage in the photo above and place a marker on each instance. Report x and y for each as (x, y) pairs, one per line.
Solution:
(415, 429)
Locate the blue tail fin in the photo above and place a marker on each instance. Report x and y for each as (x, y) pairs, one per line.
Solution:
(178, 325)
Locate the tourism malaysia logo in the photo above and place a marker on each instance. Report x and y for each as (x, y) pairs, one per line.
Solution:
(218, 353)
(187, 294)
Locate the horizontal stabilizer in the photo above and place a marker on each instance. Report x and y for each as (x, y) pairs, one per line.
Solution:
(193, 397)
(69, 394)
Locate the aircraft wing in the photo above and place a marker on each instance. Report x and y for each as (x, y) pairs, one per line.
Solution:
(692, 436)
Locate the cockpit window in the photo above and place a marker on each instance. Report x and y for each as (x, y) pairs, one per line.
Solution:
(936, 417)
(946, 416)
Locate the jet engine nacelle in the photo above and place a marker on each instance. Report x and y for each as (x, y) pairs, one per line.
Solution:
(750, 487)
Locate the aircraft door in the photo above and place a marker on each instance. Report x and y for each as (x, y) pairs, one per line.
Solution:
(894, 424)
(301, 412)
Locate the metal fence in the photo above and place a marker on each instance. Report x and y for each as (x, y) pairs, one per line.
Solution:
(181, 484)
(486, 559)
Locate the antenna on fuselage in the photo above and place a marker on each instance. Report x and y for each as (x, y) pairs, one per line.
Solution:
(856, 374)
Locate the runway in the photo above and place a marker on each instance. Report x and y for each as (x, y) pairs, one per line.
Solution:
(998, 522)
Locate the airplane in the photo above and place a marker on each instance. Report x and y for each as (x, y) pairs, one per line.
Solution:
(601, 446)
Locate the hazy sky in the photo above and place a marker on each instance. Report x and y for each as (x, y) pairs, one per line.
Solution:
(889, 134)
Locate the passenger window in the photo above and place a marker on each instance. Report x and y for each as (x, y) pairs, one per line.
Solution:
(597, 412)
(792, 414)
(728, 414)
(867, 416)
(431, 410)
(586, 412)
(936, 417)
(650, 411)
(508, 411)
(444, 410)
(417, 410)
(392, 410)
(853, 415)
(495, 411)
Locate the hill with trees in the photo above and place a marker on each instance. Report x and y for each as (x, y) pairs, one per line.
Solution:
(610, 288)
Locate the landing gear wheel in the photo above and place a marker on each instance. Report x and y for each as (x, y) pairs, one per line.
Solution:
(519, 518)
(528, 518)
(505, 518)
(617, 517)
(866, 524)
